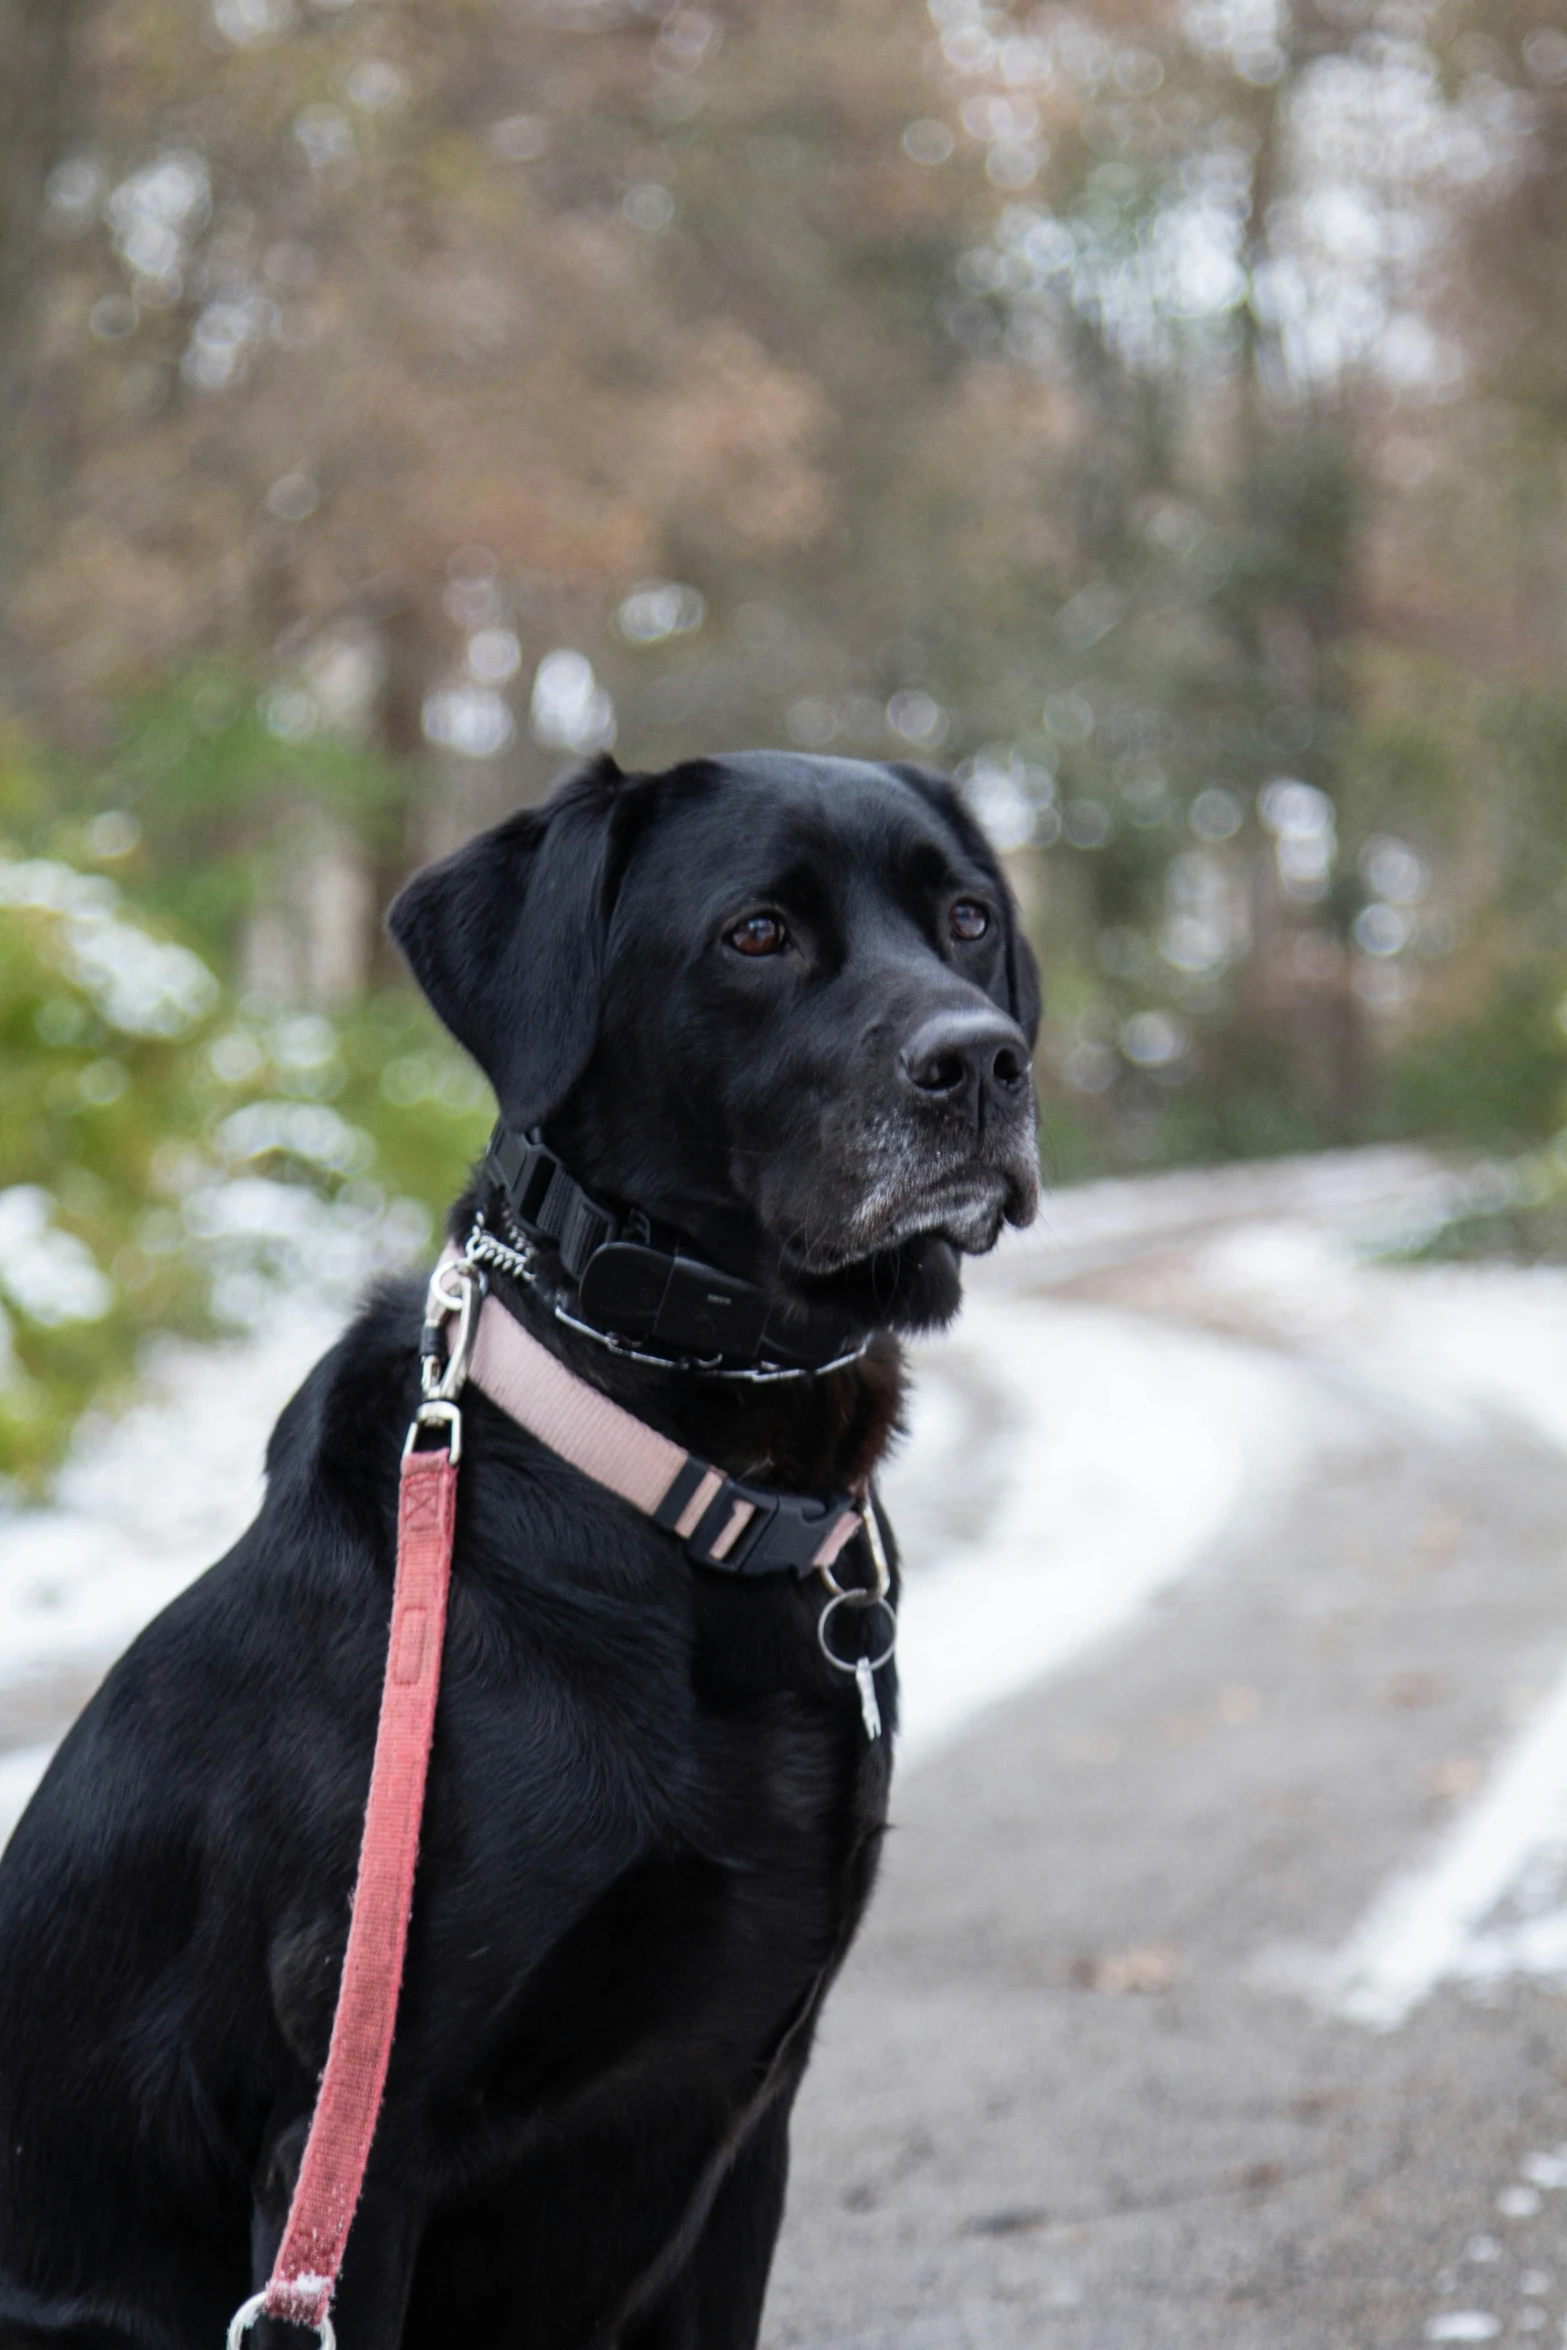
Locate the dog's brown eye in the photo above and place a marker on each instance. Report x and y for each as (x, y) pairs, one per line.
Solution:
(968, 919)
(758, 934)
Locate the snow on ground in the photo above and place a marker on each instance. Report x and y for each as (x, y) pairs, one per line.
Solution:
(151, 1499)
(1456, 1344)
(1457, 1348)
(1067, 1464)
(1375, 1198)
(145, 1505)
(1429, 1926)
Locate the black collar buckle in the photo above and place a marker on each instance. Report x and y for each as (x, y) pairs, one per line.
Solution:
(781, 1535)
(546, 1201)
(628, 1285)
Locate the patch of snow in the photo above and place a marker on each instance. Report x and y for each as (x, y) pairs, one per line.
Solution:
(1135, 1447)
(150, 1500)
(1378, 1198)
(1424, 1928)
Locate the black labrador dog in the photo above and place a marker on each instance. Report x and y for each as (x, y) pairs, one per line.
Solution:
(776, 1012)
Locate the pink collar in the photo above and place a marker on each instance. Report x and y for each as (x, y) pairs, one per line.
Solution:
(723, 1522)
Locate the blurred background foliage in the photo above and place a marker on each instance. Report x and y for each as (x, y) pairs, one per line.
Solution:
(1154, 413)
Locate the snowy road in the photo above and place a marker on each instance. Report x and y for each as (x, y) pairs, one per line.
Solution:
(1215, 1991)
(1216, 1987)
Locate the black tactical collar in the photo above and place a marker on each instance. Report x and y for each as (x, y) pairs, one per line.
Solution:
(642, 1297)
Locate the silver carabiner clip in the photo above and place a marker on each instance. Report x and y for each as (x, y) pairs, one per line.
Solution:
(464, 1300)
(454, 1289)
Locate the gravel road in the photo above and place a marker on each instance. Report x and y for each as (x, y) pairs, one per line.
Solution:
(1214, 1993)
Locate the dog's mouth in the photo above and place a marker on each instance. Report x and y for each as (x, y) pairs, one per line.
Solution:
(964, 1204)
(969, 1214)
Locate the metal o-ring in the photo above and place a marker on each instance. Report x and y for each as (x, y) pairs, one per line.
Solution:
(861, 1600)
(248, 2311)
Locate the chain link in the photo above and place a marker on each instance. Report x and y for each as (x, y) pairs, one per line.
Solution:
(520, 1259)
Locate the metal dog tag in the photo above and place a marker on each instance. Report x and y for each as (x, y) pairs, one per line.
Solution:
(865, 1682)
(863, 1668)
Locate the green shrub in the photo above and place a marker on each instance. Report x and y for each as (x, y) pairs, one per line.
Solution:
(156, 1140)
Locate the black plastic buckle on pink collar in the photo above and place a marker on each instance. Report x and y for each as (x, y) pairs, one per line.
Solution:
(783, 1535)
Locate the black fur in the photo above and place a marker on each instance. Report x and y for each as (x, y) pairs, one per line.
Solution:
(653, 1815)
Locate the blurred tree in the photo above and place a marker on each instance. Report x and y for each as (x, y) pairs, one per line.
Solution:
(1156, 415)
(38, 93)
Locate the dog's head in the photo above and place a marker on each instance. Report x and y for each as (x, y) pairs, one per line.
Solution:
(780, 1003)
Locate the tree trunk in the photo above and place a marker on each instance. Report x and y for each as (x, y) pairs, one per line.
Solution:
(39, 102)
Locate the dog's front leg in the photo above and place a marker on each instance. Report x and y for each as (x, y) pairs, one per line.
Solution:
(715, 2303)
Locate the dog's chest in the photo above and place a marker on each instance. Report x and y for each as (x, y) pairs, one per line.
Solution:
(693, 1944)
(653, 1826)
(662, 2023)
(711, 1831)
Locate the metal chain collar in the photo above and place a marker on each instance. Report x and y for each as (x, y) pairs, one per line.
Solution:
(519, 1259)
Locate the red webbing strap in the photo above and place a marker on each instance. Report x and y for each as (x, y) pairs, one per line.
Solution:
(304, 2275)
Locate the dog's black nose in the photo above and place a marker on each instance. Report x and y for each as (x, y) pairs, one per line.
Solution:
(968, 1061)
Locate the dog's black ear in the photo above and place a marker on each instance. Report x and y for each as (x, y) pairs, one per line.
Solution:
(506, 938)
(938, 792)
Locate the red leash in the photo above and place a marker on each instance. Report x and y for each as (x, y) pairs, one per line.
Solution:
(326, 2194)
